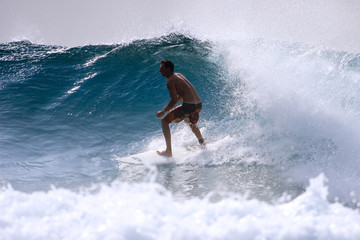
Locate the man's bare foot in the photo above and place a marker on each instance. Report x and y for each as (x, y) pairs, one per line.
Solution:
(164, 153)
(202, 142)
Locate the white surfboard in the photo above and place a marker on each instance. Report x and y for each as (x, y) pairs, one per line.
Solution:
(146, 158)
(153, 158)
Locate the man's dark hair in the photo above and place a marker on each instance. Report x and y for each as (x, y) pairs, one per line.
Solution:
(168, 64)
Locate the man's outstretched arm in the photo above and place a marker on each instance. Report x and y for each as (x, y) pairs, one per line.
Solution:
(174, 99)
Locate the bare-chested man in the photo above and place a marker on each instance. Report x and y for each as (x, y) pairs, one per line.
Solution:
(180, 89)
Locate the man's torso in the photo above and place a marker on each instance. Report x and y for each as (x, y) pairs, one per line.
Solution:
(185, 89)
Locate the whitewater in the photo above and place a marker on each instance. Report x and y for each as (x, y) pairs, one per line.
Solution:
(280, 116)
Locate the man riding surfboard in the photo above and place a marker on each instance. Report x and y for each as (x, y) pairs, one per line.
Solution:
(179, 89)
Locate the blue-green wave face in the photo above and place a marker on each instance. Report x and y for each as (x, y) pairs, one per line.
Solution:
(68, 106)
(95, 95)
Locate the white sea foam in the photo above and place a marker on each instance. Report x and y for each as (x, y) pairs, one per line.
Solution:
(148, 211)
(300, 104)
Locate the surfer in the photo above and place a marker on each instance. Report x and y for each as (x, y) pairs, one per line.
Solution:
(180, 89)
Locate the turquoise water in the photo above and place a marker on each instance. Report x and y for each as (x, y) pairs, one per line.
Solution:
(66, 107)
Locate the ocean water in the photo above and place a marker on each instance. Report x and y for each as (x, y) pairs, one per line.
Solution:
(281, 128)
(280, 118)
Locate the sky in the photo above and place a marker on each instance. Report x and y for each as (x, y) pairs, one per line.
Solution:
(328, 23)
